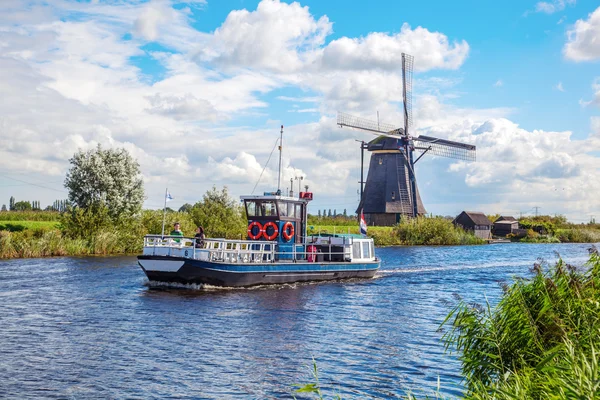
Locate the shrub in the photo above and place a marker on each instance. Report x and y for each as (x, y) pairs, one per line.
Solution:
(433, 231)
(540, 341)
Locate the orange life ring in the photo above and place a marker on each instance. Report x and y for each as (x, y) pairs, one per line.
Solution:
(260, 230)
(275, 230)
(288, 226)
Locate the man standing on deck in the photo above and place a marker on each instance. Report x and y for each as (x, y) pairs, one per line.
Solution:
(176, 231)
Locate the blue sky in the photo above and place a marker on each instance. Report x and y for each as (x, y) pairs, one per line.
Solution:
(197, 91)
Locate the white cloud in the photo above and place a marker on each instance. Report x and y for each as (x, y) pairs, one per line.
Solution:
(286, 38)
(277, 36)
(559, 87)
(383, 51)
(72, 84)
(498, 83)
(583, 39)
(154, 15)
(554, 6)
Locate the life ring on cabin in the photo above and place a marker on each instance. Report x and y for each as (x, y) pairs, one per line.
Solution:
(288, 231)
(260, 230)
(275, 230)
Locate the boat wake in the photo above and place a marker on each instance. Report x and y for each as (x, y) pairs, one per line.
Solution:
(277, 286)
(453, 268)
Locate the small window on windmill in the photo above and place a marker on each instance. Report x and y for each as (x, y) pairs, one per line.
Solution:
(393, 195)
(380, 160)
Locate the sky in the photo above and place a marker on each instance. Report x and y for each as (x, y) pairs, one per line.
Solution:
(197, 91)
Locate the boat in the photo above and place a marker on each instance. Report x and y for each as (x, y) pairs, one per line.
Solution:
(277, 250)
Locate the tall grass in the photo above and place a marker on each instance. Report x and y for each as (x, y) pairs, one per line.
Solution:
(433, 231)
(539, 342)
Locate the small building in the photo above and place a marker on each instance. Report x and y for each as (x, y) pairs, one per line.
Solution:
(505, 225)
(475, 222)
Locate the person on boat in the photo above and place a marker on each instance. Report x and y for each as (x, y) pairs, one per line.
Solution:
(176, 231)
(199, 237)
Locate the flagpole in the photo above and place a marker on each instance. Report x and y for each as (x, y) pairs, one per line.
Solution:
(164, 213)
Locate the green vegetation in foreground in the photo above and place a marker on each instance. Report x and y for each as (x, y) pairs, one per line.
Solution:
(539, 342)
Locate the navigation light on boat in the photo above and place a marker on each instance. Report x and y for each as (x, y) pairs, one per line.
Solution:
(306, 195)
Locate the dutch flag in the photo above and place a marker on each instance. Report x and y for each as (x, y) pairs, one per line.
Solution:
(363, 224)
(168, 196)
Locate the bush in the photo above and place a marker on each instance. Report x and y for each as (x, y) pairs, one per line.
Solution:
(433, 231)
(540, 342)
(152, 221)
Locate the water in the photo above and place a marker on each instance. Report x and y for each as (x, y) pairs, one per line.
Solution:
(94, 328)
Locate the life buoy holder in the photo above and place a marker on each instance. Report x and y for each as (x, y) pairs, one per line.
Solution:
(288, 231)
(260, 230)
(275, 230)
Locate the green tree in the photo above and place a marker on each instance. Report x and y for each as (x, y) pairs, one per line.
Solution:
(3, 207)
(187, 207)
(22, 206)
(108, 177)
(345, 213)
(219, 215)
(11, 204)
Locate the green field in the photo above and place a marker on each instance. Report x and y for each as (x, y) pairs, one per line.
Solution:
(17, 226)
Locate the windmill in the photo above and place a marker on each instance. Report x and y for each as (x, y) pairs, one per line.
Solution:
(391, 188)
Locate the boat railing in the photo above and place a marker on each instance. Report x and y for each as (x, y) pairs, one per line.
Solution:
(216, 250)
(244, 251)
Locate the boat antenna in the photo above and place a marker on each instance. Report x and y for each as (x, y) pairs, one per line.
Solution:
(280, 150)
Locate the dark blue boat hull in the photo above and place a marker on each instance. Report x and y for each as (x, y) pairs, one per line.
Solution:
(185, 270)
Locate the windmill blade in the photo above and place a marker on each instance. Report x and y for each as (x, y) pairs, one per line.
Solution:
(379, 128)
(445, 148)
(407, 74)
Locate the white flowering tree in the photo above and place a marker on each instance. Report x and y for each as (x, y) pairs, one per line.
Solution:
(108, 178)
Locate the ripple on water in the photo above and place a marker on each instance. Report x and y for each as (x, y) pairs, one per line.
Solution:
(96, 328)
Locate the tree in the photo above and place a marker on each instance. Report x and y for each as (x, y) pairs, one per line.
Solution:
(3, 207)
(187, 207)
(219, 215)
(22, 206)
(108, 177)
(329, 213)
(335, 213)
(345, 213)
(319, 213)
(11, 204)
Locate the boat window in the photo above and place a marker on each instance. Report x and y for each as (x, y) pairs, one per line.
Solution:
(356, 250)
(261, 208)
(291, 210)
(365, 250)
(251, 209)
(283, 209)
(298, 211)
(268, 209)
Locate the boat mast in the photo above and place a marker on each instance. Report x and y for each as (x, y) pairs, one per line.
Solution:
(280, 148)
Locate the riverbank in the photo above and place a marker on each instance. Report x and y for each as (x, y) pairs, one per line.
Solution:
(42, 234)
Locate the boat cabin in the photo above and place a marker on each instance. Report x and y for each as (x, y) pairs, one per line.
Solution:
(279, 219)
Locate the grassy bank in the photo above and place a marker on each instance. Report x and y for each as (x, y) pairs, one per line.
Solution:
(17, 226)
(87, 236)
